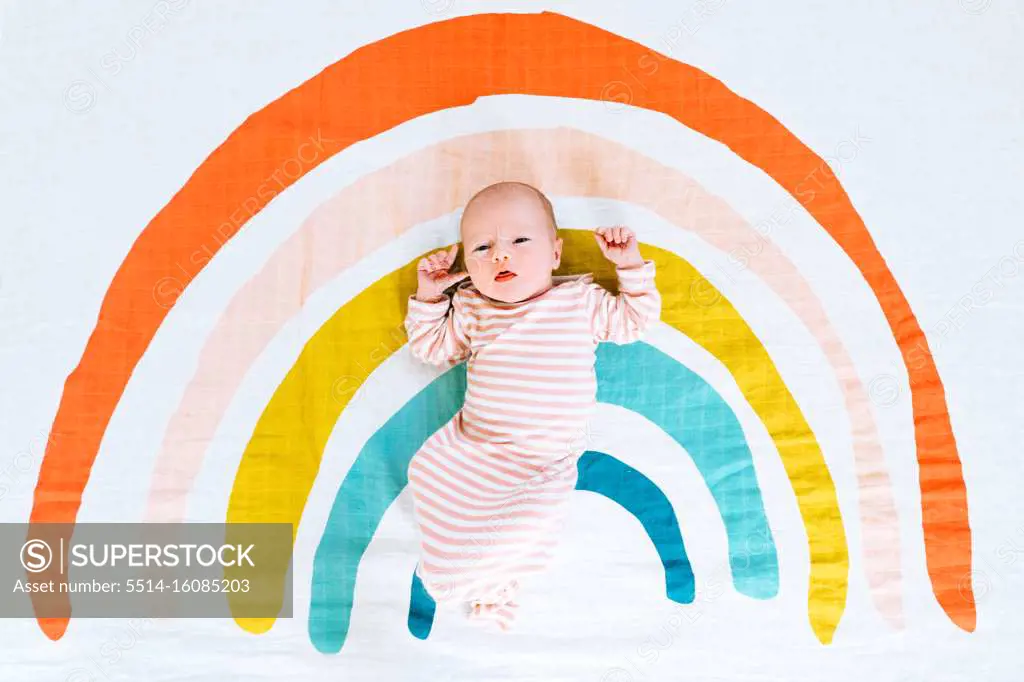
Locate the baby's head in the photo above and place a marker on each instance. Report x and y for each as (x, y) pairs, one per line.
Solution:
(510, 241)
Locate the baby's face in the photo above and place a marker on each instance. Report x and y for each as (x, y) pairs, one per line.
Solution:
(509, 246)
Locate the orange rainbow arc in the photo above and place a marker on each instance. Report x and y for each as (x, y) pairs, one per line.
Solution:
(541, 54)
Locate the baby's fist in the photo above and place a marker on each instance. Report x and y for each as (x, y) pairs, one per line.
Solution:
(434, 276)
(619, 245)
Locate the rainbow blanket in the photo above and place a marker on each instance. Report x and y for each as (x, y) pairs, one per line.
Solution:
(797, 474)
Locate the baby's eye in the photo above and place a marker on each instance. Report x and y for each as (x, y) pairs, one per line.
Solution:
(482, 247)
(522, 239)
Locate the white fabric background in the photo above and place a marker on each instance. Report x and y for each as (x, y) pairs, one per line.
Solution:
(90, 150)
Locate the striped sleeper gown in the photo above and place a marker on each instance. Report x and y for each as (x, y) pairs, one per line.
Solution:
(490, 487)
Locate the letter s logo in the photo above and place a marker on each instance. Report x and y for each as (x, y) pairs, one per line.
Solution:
(36, 556)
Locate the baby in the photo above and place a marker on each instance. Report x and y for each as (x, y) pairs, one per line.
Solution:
(490, 487)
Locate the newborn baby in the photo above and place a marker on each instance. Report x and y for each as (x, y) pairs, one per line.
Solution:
(490, 487)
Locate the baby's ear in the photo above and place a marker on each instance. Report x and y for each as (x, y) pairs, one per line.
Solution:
(558, 252)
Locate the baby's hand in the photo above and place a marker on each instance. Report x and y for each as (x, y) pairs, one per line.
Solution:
(433, 276)
(619, 245)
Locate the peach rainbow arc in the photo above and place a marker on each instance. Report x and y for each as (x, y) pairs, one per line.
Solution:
(579, 164)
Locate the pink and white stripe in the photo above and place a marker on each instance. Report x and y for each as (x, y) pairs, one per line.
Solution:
(490, 487)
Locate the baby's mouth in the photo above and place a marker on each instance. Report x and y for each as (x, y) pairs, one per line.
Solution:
(504, 276)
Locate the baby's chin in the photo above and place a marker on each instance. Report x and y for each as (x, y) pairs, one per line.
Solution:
(511, 291)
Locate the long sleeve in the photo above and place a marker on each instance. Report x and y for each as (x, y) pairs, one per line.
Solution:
(439, 332)
(625, 317)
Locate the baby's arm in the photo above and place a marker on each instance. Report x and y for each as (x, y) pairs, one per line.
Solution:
(624, 318)
(439, 330)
